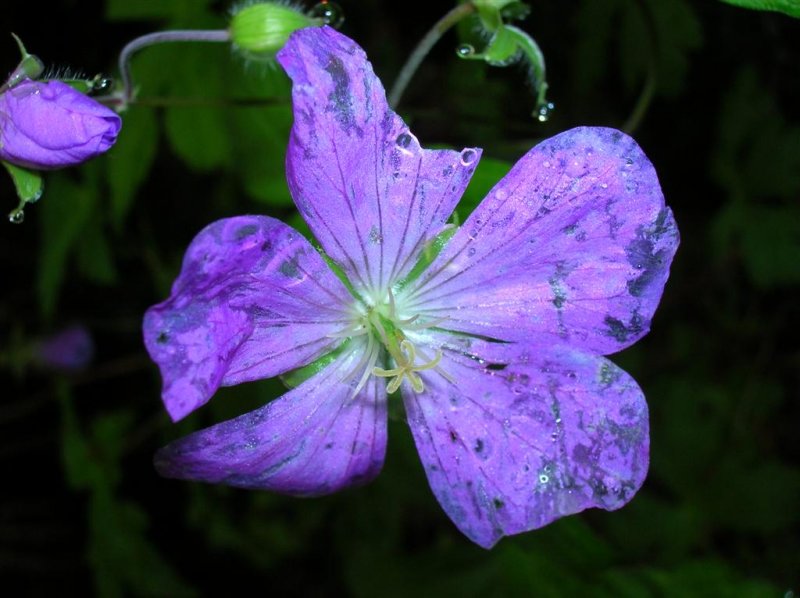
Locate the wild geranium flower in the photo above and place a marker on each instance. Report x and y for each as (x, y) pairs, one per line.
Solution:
(47, 125)
(493, 333)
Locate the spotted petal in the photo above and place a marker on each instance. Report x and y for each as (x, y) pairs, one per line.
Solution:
(573, 245)
(314, 440)
(510, 449)
(253, 300)
(371, 195)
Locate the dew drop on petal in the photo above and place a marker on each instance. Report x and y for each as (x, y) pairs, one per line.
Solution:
(465, 50)
(403, 140)
(329, 13)
(468, 156)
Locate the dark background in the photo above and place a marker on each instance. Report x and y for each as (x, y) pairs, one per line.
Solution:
(81, 506)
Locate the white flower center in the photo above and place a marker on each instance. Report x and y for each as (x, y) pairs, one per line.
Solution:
(387, 342)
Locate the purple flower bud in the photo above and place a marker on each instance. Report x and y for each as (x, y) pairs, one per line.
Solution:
(71, 349)
(46, 125)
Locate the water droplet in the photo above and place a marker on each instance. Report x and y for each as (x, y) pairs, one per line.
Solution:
(329, 13)
(100, 84)
(403, 140)
(544, 111)
(501, 195)
(471, 251)
(465, 50)
(468, 156)
(543, 478)
(546, 164)
(16, 216)
(604, 185)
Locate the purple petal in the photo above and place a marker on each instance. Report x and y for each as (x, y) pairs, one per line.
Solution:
(253, 300)
(371, 195)
(511, 449)
(314, 440)
(573, 245)
(46, 125)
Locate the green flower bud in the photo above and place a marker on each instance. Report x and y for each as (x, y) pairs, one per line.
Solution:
(259, 30)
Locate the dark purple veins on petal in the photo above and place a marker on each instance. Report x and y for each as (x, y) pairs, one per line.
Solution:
(253, 300)
(554, 432)
(314, 440)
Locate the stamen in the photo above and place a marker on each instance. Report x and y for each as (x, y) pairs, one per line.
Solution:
(405, 368)
(363, 361)
(367, 370)
(425, 325)
(355, 329)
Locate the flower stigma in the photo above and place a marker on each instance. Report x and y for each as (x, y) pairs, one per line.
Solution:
(385, 339)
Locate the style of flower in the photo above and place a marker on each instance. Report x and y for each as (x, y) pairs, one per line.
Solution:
(493, 333)
(47, 125)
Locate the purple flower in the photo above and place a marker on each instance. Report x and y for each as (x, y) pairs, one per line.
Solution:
(494, 342)
(70, 349)
(46, 125)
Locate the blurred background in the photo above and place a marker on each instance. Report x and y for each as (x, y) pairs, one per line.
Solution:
(710, 91)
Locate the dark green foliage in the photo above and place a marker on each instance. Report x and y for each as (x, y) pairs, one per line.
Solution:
(720, 512)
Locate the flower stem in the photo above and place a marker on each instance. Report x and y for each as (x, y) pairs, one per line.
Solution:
(425, 44)
(160, 37)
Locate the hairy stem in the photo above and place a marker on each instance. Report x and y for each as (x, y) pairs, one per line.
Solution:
(425, 44)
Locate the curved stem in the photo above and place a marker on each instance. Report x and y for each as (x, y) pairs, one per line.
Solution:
(651, 78)
(160, 37)
(425, 44)
(642, 103)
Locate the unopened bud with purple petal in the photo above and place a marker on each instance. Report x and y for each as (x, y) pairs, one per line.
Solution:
(70, 349)
(47, 125)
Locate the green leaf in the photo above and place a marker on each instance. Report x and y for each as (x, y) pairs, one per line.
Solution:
(647, 35)
(65, 216)
(770, 242)
(123, 559)
(94, 254)
(125, 10)
(28, 183)
(757, 155)
(260, 151)
(262, 134)
(130, 160)
(788, 7)
(200, 135)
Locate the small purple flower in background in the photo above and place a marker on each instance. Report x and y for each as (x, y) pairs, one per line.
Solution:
(495, 346)
(46, 125)
(70, 349)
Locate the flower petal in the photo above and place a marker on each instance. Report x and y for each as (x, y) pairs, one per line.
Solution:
(511, 449)
(574, 245)
(315, 439)
(371, 195)
(253, 300)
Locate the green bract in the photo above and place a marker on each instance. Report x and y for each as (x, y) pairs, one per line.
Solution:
(259, 30)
